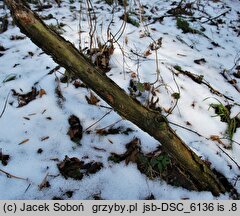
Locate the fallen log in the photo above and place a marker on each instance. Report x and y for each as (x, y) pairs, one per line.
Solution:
(152, 122)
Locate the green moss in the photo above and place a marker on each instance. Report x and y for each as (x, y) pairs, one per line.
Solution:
(177, 67)
(224, 114)
(185, 27)
(130, 19)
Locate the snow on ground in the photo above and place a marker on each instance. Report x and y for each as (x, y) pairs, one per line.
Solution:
(35, 136)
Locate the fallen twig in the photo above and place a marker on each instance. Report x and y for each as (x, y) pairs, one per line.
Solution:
(5, 105)
(12, 176)
(200, 80)
(97, 121)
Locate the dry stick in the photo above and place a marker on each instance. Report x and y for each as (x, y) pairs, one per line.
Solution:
(175, 105)
(206, 139)
(222, 14)
(187, 129)
(12, 176)
(97, 121)
(154, 42)
(80, 27)
(198, 79)
(111, 125)
(5, 105)
(123, 27)
(229, 157)
(227, 76)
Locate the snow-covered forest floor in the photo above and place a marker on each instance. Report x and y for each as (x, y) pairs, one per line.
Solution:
(59, 140)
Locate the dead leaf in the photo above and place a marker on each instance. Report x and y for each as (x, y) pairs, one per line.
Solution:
(126, 40)
(233, 81)
(216, 138)
(112, 130)
(131, 155)
(76, 169)
(24, 99)
(75, 129)
(70, 167)
(237, 74)
(92, 167)
(24, 141)
(42, 92)
(4, 158)
(147, 86)
(133, 75)
(58, 92)
(44, 184)
(147, 53)
(79, 84)
(200, 61)
(92, 99)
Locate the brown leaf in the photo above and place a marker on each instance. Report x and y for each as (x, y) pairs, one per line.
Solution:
(58, 92)
(112, 130)
(42, 92)
(75, 129)
(24, 141)
(147, 53)
(76, 169)
(92, 99)
(131, 155)
(216, 138)
(147, 86)
(233, 81)
(4, 158)
(126, 40)
(92, 167)
(44, 184)
(70, 167)
(24, 99)
(133, 75)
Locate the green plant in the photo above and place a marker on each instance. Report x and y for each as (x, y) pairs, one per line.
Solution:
(176, 95)
(224, 114)
(129, 18)
(160, 163)
(177, 67)
(9, 78)
(221, 111)
(185, 27)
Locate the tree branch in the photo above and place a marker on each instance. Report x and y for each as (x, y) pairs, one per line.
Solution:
(155, 124)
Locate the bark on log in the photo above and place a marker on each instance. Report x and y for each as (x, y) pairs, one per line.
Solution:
(152, 122)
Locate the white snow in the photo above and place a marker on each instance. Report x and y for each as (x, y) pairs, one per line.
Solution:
(117, 181)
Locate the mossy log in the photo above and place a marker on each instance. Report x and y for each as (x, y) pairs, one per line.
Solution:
(152, 122)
